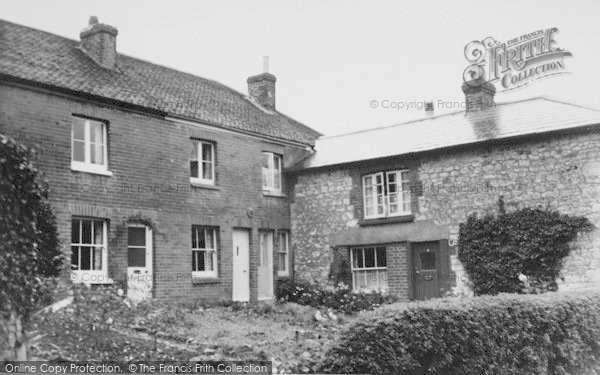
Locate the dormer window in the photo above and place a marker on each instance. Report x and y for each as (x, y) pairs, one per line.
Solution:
(386, 194)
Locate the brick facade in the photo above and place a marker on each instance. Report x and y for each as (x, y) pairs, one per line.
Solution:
(149, 160)
(559, 171)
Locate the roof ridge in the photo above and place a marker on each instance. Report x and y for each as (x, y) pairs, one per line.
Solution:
(571, 104)
(410, 122)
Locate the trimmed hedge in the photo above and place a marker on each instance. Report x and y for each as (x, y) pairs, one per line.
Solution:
(551, 333)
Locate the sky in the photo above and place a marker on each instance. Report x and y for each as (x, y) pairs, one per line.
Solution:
(332, 59)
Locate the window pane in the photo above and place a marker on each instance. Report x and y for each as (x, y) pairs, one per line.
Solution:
(98, 232)
(97, 259)
(427, 261)
(74, 257)
(359, 280)
(372, 282)
(75, 231)
(206, 152)
(357, 258)
(381, 257)
(200, 259)
(194, 261)
(369, 257)
(96, 132)
(207, 173)
(86, 262)
(96, 153)
(277, 179)
(194, 238)
(282, 262)
(79, 151)
(136, 257)
(201, 238)
(136, 236)
(267, 176)
(210, 238)
(383, 285)
(194, 168)
(79, 129)
(86, 231)
(209, 260)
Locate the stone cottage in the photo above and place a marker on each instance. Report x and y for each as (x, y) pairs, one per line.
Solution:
(167, 184)
(380, 209)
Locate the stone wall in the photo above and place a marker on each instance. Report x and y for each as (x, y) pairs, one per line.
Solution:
(560, 171)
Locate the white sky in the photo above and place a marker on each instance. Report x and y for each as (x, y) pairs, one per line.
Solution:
(332, 58)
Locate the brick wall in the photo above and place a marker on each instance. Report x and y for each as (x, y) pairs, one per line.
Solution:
(148, 157)
(560, 171)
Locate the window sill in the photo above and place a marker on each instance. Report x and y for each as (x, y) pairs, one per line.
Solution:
(78, 168)
(267, 193)
(205, 280)
(283, 277)
(387, 220)
(203, 185)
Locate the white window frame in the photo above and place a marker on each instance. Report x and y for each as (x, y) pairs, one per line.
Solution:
(87, 165)
(285, 251)
(270, 173)
(214, 251)
(199, 158)
(356, 270)
(385, 194)
(91, 276)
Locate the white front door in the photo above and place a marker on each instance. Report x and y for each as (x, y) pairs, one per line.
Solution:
(139, 262)
(241, 266)
(265, 266)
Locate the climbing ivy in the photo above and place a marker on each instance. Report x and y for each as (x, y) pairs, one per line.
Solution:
(517, 252)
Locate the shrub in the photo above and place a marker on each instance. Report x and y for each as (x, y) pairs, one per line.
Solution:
(496, 249)
(29, 249)
(551, 333)
(338, 297)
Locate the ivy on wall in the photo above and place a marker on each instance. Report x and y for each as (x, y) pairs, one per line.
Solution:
(517, 252)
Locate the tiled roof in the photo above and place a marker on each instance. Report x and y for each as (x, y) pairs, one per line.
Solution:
(504, 120)
(48, 59)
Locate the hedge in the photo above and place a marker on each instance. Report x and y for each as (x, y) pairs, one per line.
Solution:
(551, 333)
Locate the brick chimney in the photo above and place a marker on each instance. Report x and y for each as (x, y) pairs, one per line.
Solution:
(99, 41)
(261, 87)
(479, 95)
(428, 109)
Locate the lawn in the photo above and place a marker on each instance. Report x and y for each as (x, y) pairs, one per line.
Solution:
(286, 333)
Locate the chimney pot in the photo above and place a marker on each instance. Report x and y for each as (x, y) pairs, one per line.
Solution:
(479, 95)
(99, 41)
(261, 87)
(429, 109)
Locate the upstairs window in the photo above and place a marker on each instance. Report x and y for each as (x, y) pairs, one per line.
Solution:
(202, 163)
(386, 194)
(89, 146)
(204, 251)
(271, 172)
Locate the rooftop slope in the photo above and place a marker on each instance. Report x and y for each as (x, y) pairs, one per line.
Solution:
(34, 55)
(506, 120)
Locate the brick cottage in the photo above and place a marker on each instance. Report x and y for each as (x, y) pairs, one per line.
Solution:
(178, 187)
(168, 184)
(380, 208)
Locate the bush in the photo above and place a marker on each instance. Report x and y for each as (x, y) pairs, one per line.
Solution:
(338, 297)
(29, 249)
(496, 249)
(551, 333)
